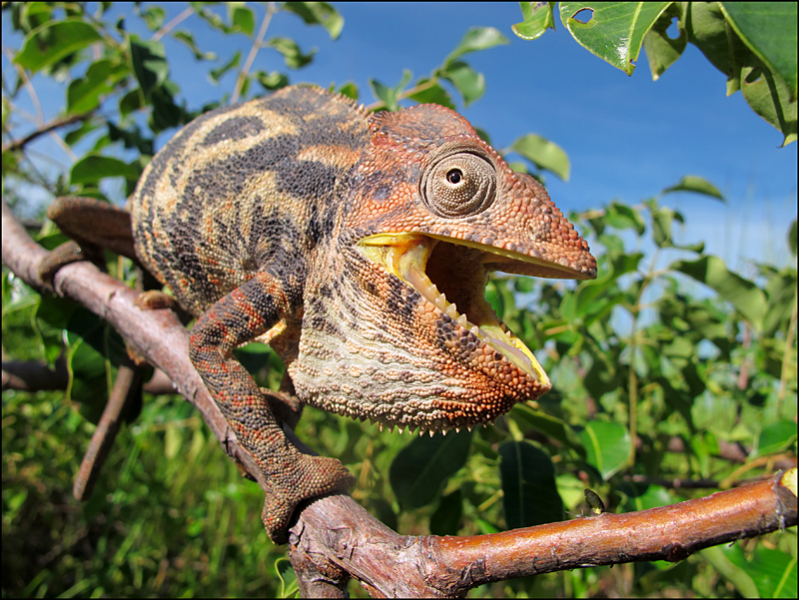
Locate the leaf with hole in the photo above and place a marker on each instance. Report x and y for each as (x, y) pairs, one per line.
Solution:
(613, 31)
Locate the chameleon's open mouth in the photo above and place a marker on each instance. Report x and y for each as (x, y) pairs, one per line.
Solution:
(452, 275)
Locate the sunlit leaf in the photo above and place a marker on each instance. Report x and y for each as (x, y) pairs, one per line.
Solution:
(94, 167)
(538, 17)
(661, 50)
(477, 38)
(614, 31)
(468, 82)
(543, 153)
(744, 295)
(698, 185)
(769, 30)
(291, 52)
(49, 43)
(318, 13)
(607, 446)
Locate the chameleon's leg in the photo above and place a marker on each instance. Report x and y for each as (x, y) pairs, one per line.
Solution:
(243, 314)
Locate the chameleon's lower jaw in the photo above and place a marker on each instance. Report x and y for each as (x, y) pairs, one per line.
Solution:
(452, 277)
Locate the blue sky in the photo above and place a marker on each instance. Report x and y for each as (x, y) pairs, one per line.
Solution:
(626, 137)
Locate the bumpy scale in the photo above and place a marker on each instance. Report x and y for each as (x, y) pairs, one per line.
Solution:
(357, 245)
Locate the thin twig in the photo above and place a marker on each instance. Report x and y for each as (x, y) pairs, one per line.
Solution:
(20, 143)
(172, 24)
(270, 10)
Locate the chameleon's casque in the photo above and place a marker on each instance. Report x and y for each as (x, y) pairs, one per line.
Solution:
(358, 246)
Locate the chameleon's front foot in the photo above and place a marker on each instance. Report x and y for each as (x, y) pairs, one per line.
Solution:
(309, 477)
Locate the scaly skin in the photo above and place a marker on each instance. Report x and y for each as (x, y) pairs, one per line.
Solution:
(303, 221)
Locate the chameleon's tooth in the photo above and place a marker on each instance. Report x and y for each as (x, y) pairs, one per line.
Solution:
(462, 321)
(457, 430)
(400, 429)
(422, 431)
(470, 427)
(445, 431)
(431, 432)
(380, 425)
(451, 312)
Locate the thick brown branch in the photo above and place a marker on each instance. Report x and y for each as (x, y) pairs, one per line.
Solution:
(20, 143)
(334, 538)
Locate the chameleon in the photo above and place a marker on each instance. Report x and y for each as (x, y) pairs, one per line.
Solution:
(358, 246)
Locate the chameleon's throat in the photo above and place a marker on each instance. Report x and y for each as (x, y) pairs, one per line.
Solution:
(451, 277)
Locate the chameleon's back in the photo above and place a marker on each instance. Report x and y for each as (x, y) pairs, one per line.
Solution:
(243, 189)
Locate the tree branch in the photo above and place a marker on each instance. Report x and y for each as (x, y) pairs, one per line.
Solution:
(20, 143)
(334, 538)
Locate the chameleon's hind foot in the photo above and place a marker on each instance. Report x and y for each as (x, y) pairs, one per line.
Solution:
(310, 477)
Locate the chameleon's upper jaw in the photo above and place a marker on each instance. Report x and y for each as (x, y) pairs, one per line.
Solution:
(451, 275)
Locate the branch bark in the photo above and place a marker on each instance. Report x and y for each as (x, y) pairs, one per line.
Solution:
(334, 538)
(20, 143)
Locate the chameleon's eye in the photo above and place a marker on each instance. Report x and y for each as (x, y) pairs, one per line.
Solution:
(459, 185)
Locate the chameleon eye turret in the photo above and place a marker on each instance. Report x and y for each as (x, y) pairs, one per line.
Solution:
(459, 184)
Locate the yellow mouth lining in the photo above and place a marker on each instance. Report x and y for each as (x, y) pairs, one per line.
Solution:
(407, 255)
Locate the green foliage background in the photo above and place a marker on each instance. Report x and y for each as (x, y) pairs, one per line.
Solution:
(635, 355)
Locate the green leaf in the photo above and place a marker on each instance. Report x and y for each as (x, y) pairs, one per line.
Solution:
(289, 588)
(775, 437)
(477, 38)
(84, 93)
(744, 295)
(446, 519)
(149, 64)
(188, 39)
(49, 43)
(542, 153)
(272, 81)
(318, 13)
(706, 28)
(615, 31)
(216, 74)
(130, 102)
(94, 167)
(432, 94)
(153, 16)
(470, 84)
(607, 446)
(422, 467)
(768, 96)
(621, 216)
(291, 52)
(552, 426)
(792, 237)
(772, 571)
(537, 17)
(530, 494)
(350, 90)
(769, 31)
(241, 18)
(661, 50)
(693, 183)
(661, 225)
(389, 96)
